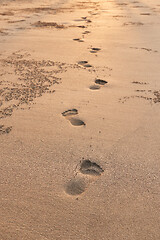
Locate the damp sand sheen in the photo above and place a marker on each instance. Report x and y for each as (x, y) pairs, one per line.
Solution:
(79, 120)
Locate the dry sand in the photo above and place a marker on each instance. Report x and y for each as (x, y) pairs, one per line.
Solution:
(79, 157)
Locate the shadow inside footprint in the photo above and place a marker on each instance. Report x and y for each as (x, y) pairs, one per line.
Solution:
(82, 62)
(76, 122)
(96, 49)
(94, 87)
(93, 51)
(75, 187)
(100, 81)
(86, 32)
(78, 40)
(91, 168)
(70, 112)
(87, 65)
(81, 26)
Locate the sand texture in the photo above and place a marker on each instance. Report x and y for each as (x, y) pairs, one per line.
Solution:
(79, 120)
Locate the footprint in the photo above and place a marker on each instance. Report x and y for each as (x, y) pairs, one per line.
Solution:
(70, 112)
(78, 40)
(82, 179)
(81, 26)
(91, 168)
(75, 187)
(86, 32)
(87, 65)
(100, 82)
(94, 87)
(95, 50)
(76, 122)
(84, 64)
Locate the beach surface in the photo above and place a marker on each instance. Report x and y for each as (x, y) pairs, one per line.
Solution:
(79, 120)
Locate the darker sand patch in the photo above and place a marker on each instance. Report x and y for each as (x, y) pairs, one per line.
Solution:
(157, 96)
(17, 21)
(7, 13)
(138, 6)
(39, 10)
(122, 4)
(94, 87)
(34, 78)
(49, 25)
(3, 32)
(5, 130)
(145, 49)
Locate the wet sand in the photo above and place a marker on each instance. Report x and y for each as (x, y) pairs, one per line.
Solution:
(79, 120)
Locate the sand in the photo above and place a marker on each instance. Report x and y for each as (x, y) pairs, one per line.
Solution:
(79, 120)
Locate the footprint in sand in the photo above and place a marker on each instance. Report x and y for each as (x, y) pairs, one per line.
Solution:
(75, 121)
(84, 64)
(91, 168)
(86, 174)
(86, 32)
(84, 18)
(94, 87)
(78, 40)
(70, 112)
(95, 50)
(98, 83)
(81, 26)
